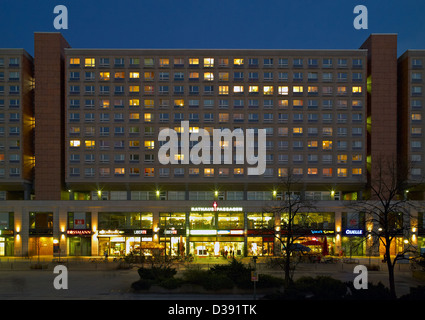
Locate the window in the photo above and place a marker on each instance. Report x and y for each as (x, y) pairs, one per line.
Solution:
(74, 143)
(268, 90)
(208, 62)
(89, 62)
(342, 172)
(238, 62)
(208, 172)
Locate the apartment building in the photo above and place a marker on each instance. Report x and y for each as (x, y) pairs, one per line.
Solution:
(16, 124)
(99, 185)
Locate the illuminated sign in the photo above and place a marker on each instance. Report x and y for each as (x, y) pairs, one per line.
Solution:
(322, 231)
(172, 231)
(230, 232)
(6, 232)
(110, 232)
(356, 232)
(203, 232)
(139, 231)
(210, 209)
(78, 232)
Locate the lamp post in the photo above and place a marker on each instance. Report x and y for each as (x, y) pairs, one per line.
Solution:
(254, 278)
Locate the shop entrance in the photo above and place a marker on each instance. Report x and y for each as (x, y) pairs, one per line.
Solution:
(216, 249)
(6, 246)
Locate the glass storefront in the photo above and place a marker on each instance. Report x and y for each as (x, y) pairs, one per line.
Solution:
(79, 246)
(216, 248)
(6, 246)
(123, 245)
(260, 246)
(40, 246)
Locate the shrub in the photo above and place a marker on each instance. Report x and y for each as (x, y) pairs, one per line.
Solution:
(171, 283)
(142, 284)
(156, 273)
(373, 292)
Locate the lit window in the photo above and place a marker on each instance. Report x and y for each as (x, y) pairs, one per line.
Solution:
(268, 90)
(149, 172)
(342, 158)
(148, 117)
(327, 172)
(134, 89)
(89, 62)
(312, 171)
(416, 116)
(238, 62)
(208, 76)
(194, 61)
(327, 145)
(312, 144)
(74, 143)
(357, 89)
(134, 102)
(283, 90)
(134, 75)
(253, 89)
(149, 76)
(223, 90)
(179, 157)
(208, 62)
(134, 116)
(194, 129)
(105, 76)
(119, 171)
(282, 172)
(342, 90)
(356, 157)
(119, 75)
(208, 172)
(238, 171)
(89, 144)
(194, 75)
(179, 103)
(356, 171)
(223, 117)
(149, 103)
(298, 89)
(342, 172)
(283, 103)
(238, 89)
(298, 130)
(74, 61)
(297, 103)
(223, 76)
(314, 89)
(164, 62)
(149, 144)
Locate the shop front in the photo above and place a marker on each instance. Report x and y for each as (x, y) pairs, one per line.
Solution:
(216, 244)
(7, 239)
(123, 233)
(124, 242)
(79, 234)
(319, 242)
(215, 232)
(40, 242)
(7, 243)
(172, 231)
(353, 242)
(260, 243)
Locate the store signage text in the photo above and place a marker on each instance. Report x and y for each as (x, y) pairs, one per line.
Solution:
(140, 232)
(322, 231)
(210, 209)
(78, 232)
(110, 232)
(354, 232)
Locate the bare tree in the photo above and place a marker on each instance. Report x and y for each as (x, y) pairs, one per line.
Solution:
(292, 206)
(387, 209)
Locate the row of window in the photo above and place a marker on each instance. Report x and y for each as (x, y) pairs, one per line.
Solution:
(220, 76)
(89, 158)
(221, 117)
(209, 62)
(282, 145)
(13, 76)
(210, 89)
(13, 62)
(281, 131)
(210, 172)
(222, 103)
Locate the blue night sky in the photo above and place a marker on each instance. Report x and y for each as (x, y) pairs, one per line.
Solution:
(220, 24)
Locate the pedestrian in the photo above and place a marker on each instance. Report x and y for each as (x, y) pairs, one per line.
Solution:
(106, 254)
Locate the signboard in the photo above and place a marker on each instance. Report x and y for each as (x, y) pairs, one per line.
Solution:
(254, 276)
(140, 232)
(354, 232)
(73, 232)
(322, 231)
(79, 220)
(211, 209)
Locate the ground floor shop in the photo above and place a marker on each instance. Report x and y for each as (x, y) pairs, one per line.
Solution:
(203, 229)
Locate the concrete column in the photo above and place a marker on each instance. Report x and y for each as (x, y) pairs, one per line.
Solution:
(95, 228)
